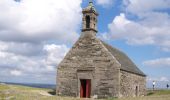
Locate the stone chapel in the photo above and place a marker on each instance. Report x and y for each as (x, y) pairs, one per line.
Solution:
(92, 68)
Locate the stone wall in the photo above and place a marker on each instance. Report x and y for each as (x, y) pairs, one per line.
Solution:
(132, 84)
(89, 59)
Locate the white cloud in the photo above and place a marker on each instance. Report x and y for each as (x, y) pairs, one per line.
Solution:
(158, 79)
(27, 30)
(149, 25)
(161, 82)
(55, 53)
(27, 49)
(39, 20)
(161, 62)
(15, 72)
(142, 6)
(165, 79)
(29, 68)
(105, 3)
(133, 32)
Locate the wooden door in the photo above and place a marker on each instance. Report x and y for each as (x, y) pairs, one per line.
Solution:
(81, 90)
(85, 88)
(88, 88)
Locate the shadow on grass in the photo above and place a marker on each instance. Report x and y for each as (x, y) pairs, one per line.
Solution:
(53, 92)
(150, 93)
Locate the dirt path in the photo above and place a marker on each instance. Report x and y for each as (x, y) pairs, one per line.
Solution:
(44, 93)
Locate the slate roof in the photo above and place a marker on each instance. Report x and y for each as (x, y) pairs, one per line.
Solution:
(124, 60)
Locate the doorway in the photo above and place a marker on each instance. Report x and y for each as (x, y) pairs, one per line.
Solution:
(136, 91)
(85, 88)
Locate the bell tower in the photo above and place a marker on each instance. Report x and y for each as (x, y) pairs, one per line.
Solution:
(89, 20)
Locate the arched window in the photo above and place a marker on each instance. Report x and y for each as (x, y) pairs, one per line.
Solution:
(87, 21)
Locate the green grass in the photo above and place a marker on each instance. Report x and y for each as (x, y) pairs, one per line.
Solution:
(16, 92)
(21, 92)
(159, 92)
(3, 87)
(151, 95)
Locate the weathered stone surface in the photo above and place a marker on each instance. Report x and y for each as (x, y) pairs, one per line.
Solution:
(132, 84)
(95, 61)
(111, 72)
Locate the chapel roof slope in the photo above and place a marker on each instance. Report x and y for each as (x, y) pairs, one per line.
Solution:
(124, 60)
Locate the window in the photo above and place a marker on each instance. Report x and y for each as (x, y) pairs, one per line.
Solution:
(87, 21)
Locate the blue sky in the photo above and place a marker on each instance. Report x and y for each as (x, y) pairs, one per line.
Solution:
(36, 34)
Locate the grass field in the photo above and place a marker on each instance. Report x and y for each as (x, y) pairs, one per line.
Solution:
(15, 92)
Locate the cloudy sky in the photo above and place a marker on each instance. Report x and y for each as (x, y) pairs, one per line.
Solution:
(36, 34)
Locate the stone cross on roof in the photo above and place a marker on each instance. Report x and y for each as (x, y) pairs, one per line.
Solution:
(91, 3)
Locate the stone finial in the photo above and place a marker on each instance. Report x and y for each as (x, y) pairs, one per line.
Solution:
(89, 18)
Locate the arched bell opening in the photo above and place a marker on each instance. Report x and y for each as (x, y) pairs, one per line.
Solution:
(87, 21)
